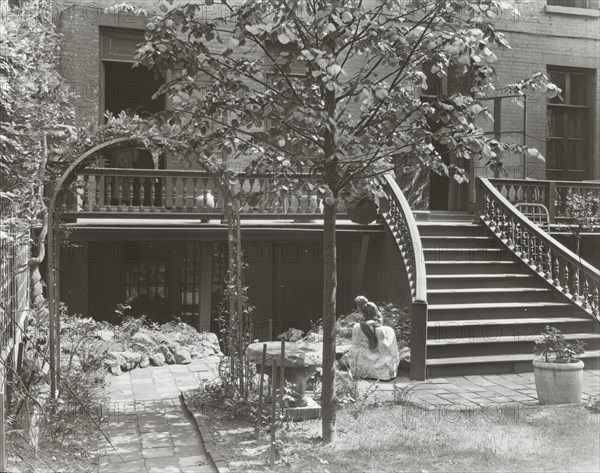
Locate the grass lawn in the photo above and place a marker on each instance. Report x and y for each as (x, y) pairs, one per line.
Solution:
(395, 438)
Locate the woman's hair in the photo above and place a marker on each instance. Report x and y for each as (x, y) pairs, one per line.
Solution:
(361, 300)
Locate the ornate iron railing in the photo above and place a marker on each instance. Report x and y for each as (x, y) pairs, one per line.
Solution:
(145, 191)
(401, 222)
(574, 277)
(552, 194)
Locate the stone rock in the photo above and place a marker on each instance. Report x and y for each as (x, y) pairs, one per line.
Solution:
(106, 335)
(405, 358)
(297, 355)
(113, 366)
(144, 339)
(210, 339)
(183, 357)
(127, 360)
(291, 335)
(157, 359)
(168, 354)
(314, 337)
(341, 350)
(145, 361)
(381, 363)
(200, 351)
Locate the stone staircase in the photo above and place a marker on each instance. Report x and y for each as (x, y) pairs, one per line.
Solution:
(486, 307)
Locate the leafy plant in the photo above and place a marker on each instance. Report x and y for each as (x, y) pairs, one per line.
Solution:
(593, 404)
(553, 346)
(583, 214)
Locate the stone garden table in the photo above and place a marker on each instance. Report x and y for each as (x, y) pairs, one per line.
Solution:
(301, 360)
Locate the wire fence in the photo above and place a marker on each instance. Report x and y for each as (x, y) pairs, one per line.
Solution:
(14, 283)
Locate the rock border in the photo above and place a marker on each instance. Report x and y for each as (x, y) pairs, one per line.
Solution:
(212, 452)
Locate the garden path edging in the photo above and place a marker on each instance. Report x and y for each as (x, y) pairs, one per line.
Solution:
(212, 452)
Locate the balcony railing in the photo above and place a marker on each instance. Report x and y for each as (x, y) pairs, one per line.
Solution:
(146, 192)
(552, 194)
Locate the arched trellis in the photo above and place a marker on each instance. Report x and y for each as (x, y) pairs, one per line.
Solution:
(60, 188)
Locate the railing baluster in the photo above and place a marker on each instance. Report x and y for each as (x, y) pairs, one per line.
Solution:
(109, 187)
(163, 194)
(195, 191)
(564, 279)
(575, 291)
(142, 192)
(174, 194)
(130, 193)
(119, 194)
(97, 182)
(585, 291)
(555, 269)
(86, 193)
(184, 202)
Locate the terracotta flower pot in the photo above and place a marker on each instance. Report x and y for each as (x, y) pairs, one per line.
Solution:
(558, 383)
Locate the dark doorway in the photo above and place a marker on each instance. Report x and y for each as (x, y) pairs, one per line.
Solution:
(301, 285)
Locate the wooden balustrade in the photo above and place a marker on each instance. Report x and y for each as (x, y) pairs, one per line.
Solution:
(574, 277)
(552, 194)
(400, 220)
(104, 190)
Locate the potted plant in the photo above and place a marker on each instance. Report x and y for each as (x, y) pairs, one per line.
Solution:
(558, 374)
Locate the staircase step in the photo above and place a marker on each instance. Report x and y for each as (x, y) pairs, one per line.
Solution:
(482, 280)
(459, 360)
(466, 267)
(451, 229)
(457, 329)
(456, 253)
(430, 241)
(498, 344)
(509, 339)
(490, 294)
(495, 310)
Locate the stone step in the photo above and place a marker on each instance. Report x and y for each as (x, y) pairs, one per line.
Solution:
(481, 280)
(451, 254)
(466, 267)
(495, 310)
(508, 363)
(498, 345)
(460, 328)
(451, 229)
(488, 295)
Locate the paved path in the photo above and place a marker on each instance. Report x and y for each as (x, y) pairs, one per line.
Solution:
(147, 425)
(470, 391)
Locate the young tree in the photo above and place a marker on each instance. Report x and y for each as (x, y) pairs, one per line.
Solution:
(330, 86)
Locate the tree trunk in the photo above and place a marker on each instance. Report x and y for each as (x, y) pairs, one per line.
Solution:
(328, 401)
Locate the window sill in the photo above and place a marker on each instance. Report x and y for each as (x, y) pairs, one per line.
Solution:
(572, 11)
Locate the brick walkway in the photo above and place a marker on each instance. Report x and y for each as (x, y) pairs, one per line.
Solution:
(470, 391)
(147, 425)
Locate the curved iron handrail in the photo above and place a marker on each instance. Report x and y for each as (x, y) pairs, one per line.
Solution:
(549, 258)
(401, 222)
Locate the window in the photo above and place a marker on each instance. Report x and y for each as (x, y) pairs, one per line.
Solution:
(570, 125)
(190, 281)
(147, 288)
(126, 88)
(589, 4)
(455, 82)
